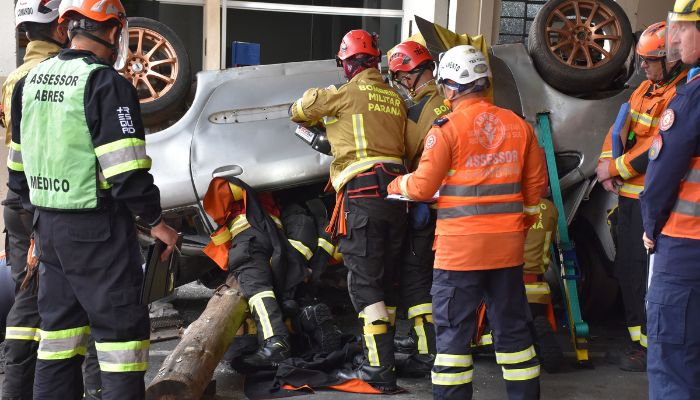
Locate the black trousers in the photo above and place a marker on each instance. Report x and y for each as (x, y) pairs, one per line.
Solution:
(90, 280)
(23, 318)
(416, 275)
(631, 266)
(372, 250)
(249, 261)
(456, 297)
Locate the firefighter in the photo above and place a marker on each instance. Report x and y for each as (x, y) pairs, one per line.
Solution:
(39, 20)
(86, 193)
(623, 174)
(489, 169)
(670, 203)
(364, 120)
(251, 245)
(411, 68)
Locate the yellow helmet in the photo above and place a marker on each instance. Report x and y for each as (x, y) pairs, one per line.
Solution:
(685, 10)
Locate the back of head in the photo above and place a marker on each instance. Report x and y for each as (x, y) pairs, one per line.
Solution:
(37, 17)
(463, 69)
(358, 51)
(408, 56)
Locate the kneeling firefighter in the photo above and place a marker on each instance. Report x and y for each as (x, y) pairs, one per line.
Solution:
(251, 244)
(486, 162)
(411, 67)
(364, 120)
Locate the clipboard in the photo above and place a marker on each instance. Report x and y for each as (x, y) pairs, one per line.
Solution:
(160, 276)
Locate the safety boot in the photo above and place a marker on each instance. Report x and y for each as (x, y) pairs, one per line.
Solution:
(273, 350)
(406, 344)
(415, 365)
(377, 367)
(317, 322)
(92, 394)
(421, 339)
(634, 360)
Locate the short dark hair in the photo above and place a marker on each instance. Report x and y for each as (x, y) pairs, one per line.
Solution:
(79, 23)
(38, 31)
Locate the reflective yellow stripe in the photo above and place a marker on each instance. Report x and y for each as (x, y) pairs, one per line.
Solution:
(532, 210)
(643, 340)
(326, 245)
(360, 166)
(375, 329)
(298, 107)
(521, 374)
(420, 309)
(118, 145)
(221, 238)
(129, 356)
(606, 154)
(631, 189)
(422, 338)
(238, 225)
(622, 168)
(358, 128)
(403, 184)
(537, 288)
(516, 357)
(454, 360)
(22, 333)
(545, 251)
(302, 248)
(451, 379)
(644, 119)
(635, 332)
(372, 353)
(127, 166)
(486, 339)
(451, 172)
(276, 220)
(391, 312)
(63, 344)
(15, 146)
(258, 307)
(329, 120)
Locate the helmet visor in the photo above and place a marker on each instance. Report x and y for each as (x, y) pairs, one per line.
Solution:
(682, 41)
(123, 47)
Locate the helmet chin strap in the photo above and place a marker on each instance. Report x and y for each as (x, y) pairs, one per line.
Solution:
(113, 47)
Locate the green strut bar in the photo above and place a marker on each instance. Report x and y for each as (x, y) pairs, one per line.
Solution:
(567, 253)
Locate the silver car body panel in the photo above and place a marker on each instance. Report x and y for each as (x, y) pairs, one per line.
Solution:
(239, 119)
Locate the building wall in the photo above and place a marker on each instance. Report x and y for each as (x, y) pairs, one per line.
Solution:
(643, 13)
(8, 56)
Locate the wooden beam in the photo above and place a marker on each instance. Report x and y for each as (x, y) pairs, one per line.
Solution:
(187, 371)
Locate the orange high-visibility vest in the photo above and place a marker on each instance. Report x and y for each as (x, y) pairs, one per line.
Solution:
(684, 221)
(483, 193)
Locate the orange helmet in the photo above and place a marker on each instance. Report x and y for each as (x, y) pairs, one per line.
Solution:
(652, 43)
(356, 42)
(407, 56)
(96, 10)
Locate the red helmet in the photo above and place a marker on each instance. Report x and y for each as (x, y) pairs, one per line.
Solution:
(356, 42)
(408, 56)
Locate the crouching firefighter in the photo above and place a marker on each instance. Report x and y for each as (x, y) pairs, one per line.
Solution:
(488, 167)
(250, 244)
(411, 69)
(364, 120)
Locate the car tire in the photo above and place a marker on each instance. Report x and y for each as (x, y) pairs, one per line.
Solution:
(569, 39)
(159, 67)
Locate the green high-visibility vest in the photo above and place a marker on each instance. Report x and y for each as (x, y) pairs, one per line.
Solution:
(57, 151)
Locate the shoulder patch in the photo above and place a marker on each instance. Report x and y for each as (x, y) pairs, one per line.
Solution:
(440, 121)
(667, 119)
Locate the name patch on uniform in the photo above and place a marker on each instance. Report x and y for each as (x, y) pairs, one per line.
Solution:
(656, 144)
(667, 120)
(49, 184)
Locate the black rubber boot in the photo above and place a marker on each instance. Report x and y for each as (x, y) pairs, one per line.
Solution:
(269, 355)
(381, 375)
(318, 323)
(406, 344)
(382, 378)
(634, 360)
(415, 365)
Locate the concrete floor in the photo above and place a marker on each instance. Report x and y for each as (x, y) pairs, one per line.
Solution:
(603, 381)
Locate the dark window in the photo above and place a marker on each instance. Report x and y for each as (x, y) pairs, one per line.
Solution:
(516, 18)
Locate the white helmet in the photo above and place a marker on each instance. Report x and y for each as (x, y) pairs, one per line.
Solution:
(462, 64)
(39, 11)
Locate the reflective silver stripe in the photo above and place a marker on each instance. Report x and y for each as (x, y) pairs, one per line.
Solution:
(454, 360)
(14, 155)
(516, 357)
(451, 379)
(687, 207)
(693, 176)
(123, 356)
(480, 209)
(521, 374)
(64, 344)
(480, 190)
(116, 157)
